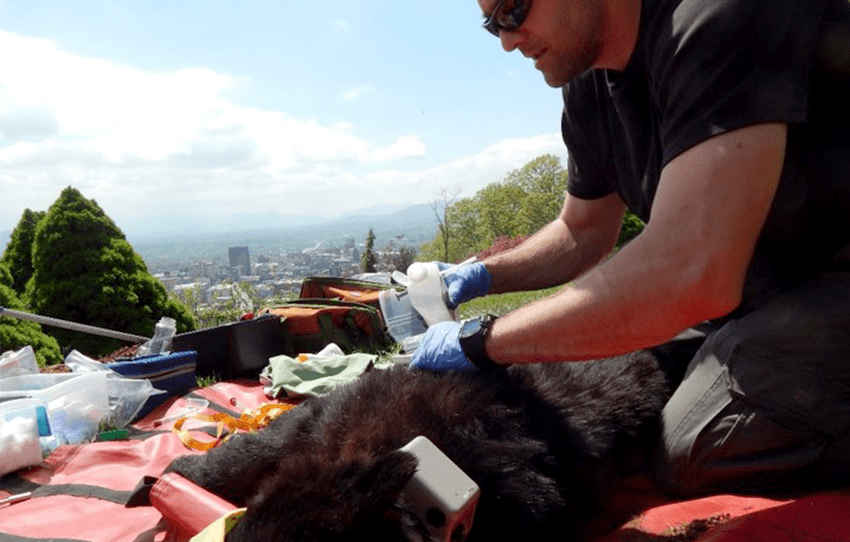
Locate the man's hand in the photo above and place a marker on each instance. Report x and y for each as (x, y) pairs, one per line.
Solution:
(466, 282)
(440, 350)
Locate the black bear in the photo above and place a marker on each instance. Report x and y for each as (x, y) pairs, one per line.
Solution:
(543, 443)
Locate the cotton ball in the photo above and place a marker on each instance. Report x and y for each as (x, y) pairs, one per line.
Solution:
(18, 444)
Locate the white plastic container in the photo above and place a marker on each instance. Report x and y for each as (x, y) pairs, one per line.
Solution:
(33, 382)
(427, 292)
(402, 320)
(75, 402)
(20, 431)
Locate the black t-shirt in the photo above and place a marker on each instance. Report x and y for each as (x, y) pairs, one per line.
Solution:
(704, 67)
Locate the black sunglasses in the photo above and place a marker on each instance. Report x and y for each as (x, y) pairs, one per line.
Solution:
(507, 15)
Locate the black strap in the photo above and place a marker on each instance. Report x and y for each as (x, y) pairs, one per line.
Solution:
(141, 496)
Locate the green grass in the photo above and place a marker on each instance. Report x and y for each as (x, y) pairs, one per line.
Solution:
(207, 381)
(499, 304)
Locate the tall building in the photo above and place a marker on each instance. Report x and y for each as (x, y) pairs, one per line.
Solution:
(239, 257)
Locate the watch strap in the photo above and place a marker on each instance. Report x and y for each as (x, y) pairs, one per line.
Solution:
(473, 346)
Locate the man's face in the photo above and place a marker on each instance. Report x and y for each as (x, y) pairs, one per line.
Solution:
(563, 37)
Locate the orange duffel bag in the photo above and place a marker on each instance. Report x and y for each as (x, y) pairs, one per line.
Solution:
(308, 325)
(351, 290)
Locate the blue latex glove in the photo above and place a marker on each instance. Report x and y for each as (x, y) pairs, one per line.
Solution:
(466, 282)
(440, 350)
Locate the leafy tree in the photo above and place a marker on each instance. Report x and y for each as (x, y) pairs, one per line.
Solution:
(498, 206)
(369, 261)
(543, 185)
(85, 271)
(500, 244)
(441, 207)
(15, 333)
(396, 258)
(525, 201)
(468, 224)
(18, 253)
(243, 299)
(406, 256)
(632, 225)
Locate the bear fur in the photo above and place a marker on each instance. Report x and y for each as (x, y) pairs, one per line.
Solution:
(543, 442)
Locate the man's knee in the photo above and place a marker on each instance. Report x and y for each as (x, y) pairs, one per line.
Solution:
(673, 470)
(741, 449)
(686, 419)
(696, 459)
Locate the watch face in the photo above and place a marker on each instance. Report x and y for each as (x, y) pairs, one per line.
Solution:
(470, 327)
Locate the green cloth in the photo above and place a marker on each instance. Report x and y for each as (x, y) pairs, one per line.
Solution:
(315, 376)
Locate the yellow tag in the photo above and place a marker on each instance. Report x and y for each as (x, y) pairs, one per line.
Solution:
(250, 420)
(217, 530)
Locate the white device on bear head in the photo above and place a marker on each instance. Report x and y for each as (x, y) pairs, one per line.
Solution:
(442, 496)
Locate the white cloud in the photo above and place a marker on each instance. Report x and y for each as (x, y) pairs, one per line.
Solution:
(342, 26)
(470, 174)
(146, 143)
(392, 186)
(350, 94)
(404, 147)
(53, 102)
(125, 114)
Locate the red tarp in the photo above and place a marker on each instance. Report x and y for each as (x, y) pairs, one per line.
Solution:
(79, 494)
(822, 517)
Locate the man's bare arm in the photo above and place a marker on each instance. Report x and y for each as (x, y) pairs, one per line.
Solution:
(688, 265)
(582, 236)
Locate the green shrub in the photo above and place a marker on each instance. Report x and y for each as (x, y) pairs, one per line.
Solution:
(85, 271)
(16, 333)
(18, 253)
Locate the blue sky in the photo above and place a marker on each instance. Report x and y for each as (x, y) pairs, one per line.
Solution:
(211, 107)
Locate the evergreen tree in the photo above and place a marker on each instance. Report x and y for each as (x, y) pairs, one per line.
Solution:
(369, 261)
(15, 333)
(85, 271)
(18, 253)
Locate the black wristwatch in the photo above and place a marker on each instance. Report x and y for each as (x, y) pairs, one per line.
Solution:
(471, 337)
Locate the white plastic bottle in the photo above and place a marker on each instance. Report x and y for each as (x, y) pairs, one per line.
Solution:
(161, 342)
(428, 292)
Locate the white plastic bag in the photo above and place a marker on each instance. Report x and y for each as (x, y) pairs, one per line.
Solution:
(127, 396)
(161, 342)
(19, 362)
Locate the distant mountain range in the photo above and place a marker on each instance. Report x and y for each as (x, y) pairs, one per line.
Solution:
(272, 234)
(171, 224)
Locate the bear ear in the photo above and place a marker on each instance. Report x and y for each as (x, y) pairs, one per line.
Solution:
(315, 500)
(381, 483)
